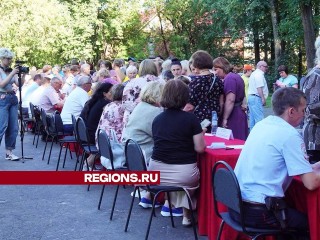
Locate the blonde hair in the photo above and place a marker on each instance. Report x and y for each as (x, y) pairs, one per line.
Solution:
(151, 93)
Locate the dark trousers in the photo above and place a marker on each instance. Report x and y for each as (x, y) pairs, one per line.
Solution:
(258, 216)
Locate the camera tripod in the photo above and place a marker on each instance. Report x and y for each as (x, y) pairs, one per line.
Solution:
(23, 158)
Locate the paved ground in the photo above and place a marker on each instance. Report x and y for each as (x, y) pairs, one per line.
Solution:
(70, 212)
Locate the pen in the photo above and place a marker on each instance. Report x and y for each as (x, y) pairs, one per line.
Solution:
(229, 148)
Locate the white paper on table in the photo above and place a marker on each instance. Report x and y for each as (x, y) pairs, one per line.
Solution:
(208, 134)
(224, 133)
(235, 146)
(217, 145)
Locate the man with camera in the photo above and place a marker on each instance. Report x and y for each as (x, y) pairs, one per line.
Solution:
(9, 101)
(273, 154)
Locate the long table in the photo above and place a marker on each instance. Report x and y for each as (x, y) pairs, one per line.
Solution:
(208, 222)
(297, 196)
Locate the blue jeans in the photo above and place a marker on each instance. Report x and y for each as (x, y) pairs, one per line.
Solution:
(9, 119)
(255, 110)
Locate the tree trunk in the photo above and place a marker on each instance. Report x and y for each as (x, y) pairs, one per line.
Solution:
(162, 34)
(256, 45)
(309, 33)
(276, 38)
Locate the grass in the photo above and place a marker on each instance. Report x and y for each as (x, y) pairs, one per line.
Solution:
(268, 103)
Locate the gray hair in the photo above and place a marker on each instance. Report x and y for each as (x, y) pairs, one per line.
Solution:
(131, 69)
(317, 47)
(83, 80)
(54, 79)
(84, 66)
(6, 53)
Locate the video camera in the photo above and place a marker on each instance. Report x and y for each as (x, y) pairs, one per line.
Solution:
(22, 69)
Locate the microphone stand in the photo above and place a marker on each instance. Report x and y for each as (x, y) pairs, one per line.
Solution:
(23, 158)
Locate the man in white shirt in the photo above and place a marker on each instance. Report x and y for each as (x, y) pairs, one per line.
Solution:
(75, 102)
(257, 93)
(273, 154)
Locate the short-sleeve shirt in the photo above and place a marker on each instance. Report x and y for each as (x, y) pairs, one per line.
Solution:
(257, 80)
(131, 91)
(8, 87)
(74, 104)
(173, 132)
(289, 81)
(202, 99)
(273, 153)
(49, 98)
(112, 118)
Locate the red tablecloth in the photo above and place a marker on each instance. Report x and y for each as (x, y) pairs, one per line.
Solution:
(299, 197)
(208, 222)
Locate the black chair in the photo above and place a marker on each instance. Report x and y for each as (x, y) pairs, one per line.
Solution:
(49, 128)
(36, 116)
(135, 162)
(87, 147)
(64, 140)
(226, 191)
(105, 150)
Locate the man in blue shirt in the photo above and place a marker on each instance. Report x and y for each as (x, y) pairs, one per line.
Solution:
(273, 154)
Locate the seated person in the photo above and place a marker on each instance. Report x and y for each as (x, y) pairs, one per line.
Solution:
(52, 99)
(75, 102)
(285, 79)
(112, 115)
(138, 128)
(27, 92)
(131, 72)
(93, 108)
(273, 154)
(36, 95)
(178, 137)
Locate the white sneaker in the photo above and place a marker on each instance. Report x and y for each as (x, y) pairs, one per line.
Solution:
(142, 193)
(12, 157)
(85, 168)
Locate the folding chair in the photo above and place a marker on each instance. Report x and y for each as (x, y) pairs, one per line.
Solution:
(87, 147)
(105, 150)
(136, 162)
(36, 116)
(226, 190)
(64, 140)
(49, 128)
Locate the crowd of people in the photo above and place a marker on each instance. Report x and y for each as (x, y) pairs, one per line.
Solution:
(161, 103)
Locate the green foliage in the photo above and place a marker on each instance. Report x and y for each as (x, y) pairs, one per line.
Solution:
(54, 31)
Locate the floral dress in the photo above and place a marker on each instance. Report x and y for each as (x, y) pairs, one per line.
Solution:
(112, 118)
(131, 92)
(202, 99)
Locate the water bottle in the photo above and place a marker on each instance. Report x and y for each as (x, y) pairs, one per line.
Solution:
(214, 122)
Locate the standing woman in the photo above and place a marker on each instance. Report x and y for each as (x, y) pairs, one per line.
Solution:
(206, 90)
(234, 116)
(311, 88)
(8, 103)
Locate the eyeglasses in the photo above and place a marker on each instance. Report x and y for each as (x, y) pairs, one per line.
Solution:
(264, 66)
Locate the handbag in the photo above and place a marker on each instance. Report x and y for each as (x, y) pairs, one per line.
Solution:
(119, 160)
